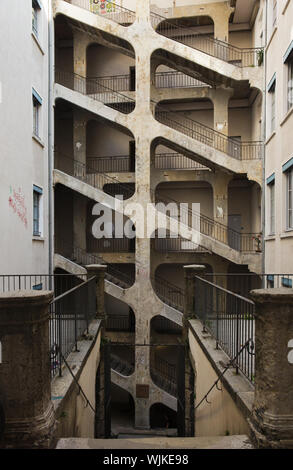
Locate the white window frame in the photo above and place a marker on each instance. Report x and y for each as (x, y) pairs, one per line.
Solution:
(36, 13)
(37, 118)
(272, 105)
(272, 189)
(289, 198)
(38, 195)
(290, 83)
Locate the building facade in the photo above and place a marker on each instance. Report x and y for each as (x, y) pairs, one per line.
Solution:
(158, 102)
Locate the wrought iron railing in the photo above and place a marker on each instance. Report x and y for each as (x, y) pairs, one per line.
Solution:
(120, 323)
(110, 164)
(230, 318)
(120, 82)
(110, 245)
(242, 242)
(177, 80)
(177, 245)
(70, 316)
(89, 175)
(107, 9)
(209, 136)
(163, 325)
(176, 161)
(121, 366)
(164, 374)
(177, 31)
(169, 293)
(94, 89)
(59, 283)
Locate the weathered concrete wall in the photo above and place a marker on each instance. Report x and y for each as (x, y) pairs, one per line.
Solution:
(73, 417)
(222, 416)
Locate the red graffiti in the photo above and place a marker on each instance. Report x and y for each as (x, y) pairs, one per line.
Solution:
(17, 203)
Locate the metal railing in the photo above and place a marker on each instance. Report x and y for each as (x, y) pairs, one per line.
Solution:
(120, 82)
(120, 323)
(229, 318)
(59, 283)
(88, 175)
(177, 80)
(176, 161)
(164, 375)
(114, 274)
(177, 31)
(70, 315)
(243, 283)
(209, 136)
(110, 164)
(111, 245)
(121, 366)
(177, 245)
(94, 89)
(163, 325)
(169, 293)
(107, 9)
(242, 242)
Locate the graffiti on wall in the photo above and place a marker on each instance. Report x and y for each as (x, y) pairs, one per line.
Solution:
(17, 203)
(103, 6)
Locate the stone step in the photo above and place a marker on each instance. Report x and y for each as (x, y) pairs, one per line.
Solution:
(213, 442)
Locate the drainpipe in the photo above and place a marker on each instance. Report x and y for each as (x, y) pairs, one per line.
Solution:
(264, 137)
(51, 135)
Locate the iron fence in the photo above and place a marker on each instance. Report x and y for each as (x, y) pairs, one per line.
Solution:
(109, 10)
(177, 245)
(177, 80)
(163, 325)
(88, 175)
(230, 318)
(94, 89)
(208, 136)
(70, 315)
(110, 164)
(169, 293)
(242, 242)
(164, 374)
(120, 323)
(176, 161)
(111, 245)
(59, 283)
(177, 31)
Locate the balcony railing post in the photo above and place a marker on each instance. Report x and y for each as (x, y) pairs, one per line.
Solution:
(99, 271)
(272, 414)
(190, 295)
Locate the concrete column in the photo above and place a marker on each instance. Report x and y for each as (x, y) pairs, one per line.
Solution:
(25, 381)
(221, 98)
(272, 417)
(99, 271)
(220, 197)
(80, 43)
(79, 137)
(189, 273)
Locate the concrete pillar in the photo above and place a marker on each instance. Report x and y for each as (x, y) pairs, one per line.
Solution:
(272, 417)
(220, 197)
(99, 270)
(189, 273)
(80, 43)
(25, 380)
(79, 137)
(221, 98)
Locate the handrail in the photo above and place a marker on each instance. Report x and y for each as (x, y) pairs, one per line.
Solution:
(216, 229)
(226, 291)
(94, 89)
(122, 16)
(72, 290)
(245, 57)
(250, 150)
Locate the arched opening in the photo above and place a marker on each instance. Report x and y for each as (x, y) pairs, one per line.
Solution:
(108, 149)
(122, 411)
(119, 316)
(162, 417)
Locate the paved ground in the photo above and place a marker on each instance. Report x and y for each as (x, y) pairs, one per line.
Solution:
(225, 442)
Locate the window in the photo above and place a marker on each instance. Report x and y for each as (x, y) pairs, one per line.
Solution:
(37, 103)
(289, 202)
(272, 99)
(36, 7)
(272, 227)
(37, 199)
(288, 61)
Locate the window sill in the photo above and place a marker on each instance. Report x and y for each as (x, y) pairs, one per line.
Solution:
(38, 239)
(289, 113)
(271, 137)
(38, 140)
(287, 234)
(272, 36)
(36, 39)
(269, 238)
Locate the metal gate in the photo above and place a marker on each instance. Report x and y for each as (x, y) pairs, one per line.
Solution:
(110, 357)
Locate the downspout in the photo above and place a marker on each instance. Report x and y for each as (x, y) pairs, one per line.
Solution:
(51, 135)
(264, 139)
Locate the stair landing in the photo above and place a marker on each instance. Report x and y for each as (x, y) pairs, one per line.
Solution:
(217, 442)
